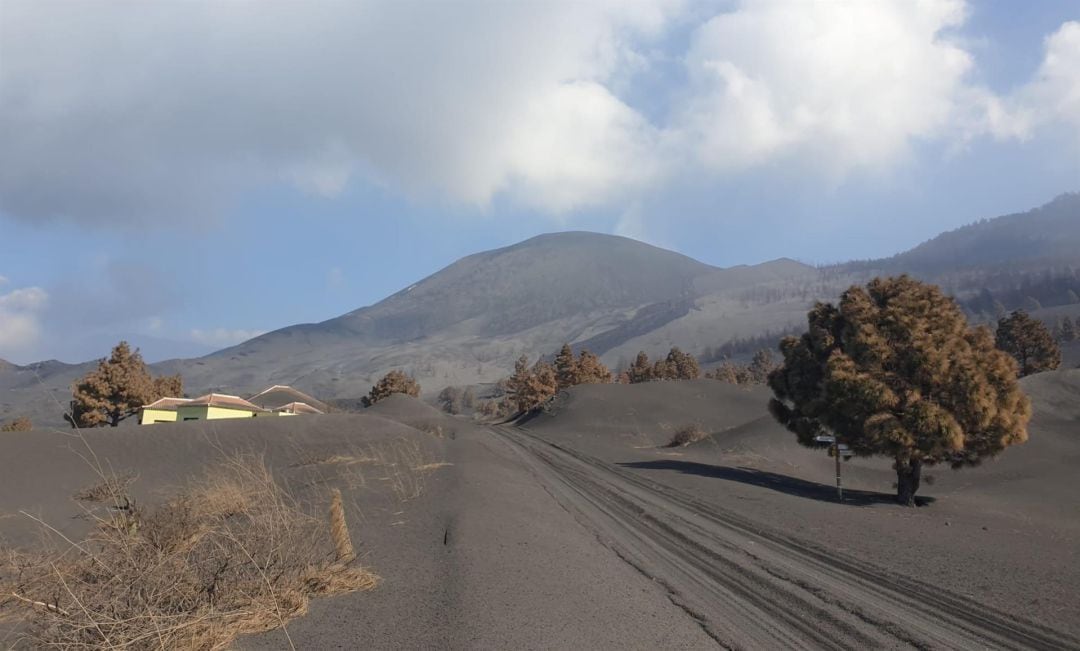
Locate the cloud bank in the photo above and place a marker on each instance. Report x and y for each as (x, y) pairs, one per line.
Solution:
(20, 321)
(133, 113)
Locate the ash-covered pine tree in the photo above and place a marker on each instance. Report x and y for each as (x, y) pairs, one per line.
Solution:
(117, 388)
(895, 370)
(590, 370)
(391, 383)
(1068, 330)
(682, 366)
(1029, 342)
(529, 388)
(761, 366)
(641, 370)
(566, 367)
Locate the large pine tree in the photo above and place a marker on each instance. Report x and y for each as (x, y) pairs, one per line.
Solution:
(895, 370)
(117, 388)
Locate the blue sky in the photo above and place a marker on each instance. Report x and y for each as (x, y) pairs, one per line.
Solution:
(187, 175)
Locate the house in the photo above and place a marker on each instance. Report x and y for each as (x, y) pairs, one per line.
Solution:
(285, 400)
(216, 406)
(162, 410)
(278, 400)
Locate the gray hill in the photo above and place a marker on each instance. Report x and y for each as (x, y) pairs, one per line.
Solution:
(466, 324)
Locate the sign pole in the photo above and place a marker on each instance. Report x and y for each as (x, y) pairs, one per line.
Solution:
(839, 483)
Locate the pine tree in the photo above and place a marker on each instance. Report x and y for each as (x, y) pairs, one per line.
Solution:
(682, 366)
(729, 372)
(641, 370)
(1068, 330)
(529, 388)
(117, 388)
(545, 382)
(566, 367)
(896, 370)
(590, 370)
(761, 366)
(1029, 342)
(391, 383)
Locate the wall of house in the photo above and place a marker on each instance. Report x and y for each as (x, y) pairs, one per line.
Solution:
(203, 412)
(151, 416)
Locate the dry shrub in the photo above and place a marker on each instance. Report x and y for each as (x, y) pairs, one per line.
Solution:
(686, 435)
(112, 489)
(233, 554)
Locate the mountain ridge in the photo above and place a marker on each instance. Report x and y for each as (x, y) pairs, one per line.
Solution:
(468, 322)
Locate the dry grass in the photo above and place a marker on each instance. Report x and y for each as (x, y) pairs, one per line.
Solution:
(232, 554)
(108, 490)
(686, 435)
(400, 463)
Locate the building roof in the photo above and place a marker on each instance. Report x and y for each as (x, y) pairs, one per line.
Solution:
(167, 404)
(298, 408)
(223, 400)
(279, 395)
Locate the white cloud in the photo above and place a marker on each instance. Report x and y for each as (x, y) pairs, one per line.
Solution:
(846, 84)
(20, 325)
(137, 112)
(175, 108)
(222, 337)
(1054, 95)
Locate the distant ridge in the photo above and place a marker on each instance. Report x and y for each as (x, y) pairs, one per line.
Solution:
(467, 323)
(1049, 233)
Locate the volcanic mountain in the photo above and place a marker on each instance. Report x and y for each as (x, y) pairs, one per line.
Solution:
(467, 323)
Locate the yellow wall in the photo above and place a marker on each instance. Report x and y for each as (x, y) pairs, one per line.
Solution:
(151, 416)
(211, 413)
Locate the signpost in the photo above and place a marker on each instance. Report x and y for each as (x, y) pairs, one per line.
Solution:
(838, 449)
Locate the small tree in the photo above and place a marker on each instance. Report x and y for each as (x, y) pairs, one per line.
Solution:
(117, 388)
(1029, 342)
(1068, 330)
(590, 370)
(761, 366)
(566, 367)
(391, 383)
(641, 370)
(729, 372)
(20, 424)
(682, 366)
(676, 366)
(896, 370)
(529, 388)
(450, 400)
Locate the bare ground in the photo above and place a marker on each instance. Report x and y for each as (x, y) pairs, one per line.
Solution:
(580, 529)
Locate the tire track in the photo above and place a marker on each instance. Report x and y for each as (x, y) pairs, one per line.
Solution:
(750, 586)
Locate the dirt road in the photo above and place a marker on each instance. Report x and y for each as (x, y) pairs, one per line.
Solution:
(751, 586)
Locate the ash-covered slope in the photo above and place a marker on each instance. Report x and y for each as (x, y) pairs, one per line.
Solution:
(468, 322)
(1049, 233)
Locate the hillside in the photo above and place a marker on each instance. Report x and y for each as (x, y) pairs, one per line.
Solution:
(1049, 233)
(467, 323)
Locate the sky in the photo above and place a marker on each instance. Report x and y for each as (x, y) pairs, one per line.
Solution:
(189, 174)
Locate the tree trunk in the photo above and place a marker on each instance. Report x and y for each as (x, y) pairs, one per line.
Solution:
(908, 474)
